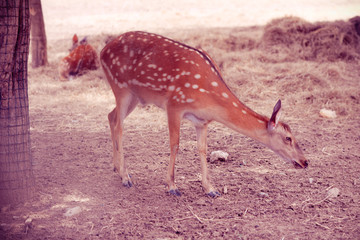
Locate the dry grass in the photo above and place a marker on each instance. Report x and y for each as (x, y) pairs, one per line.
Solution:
(324, 41)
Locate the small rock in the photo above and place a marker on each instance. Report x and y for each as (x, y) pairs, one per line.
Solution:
(333, 192)
(225, 190)
(263, 194)
(311, 180)
(218, 155)
(326, 113)
(72, 211)
(28, 221)
(28, 224)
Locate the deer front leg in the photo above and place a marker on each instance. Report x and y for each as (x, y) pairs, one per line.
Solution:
(174, 121)
(116, 127)
(201, 133)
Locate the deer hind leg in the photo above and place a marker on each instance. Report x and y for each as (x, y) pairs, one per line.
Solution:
(174, 121)
(124, 106)
(201, 133)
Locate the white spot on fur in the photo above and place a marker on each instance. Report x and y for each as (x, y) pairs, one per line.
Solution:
(215, 84)
(225, 95)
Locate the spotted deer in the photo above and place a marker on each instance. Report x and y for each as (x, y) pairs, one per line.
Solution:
(147, 68)
(82, 57)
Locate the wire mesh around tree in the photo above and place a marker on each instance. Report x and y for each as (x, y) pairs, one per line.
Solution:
(16, 177)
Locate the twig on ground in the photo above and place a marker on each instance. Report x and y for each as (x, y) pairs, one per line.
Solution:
(196, 216)
(323, 226)
(324, 199)
(317, 203)
(245, 212)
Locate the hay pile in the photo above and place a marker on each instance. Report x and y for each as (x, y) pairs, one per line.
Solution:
(324, 41)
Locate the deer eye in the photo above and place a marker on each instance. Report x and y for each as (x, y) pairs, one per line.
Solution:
(288, 139)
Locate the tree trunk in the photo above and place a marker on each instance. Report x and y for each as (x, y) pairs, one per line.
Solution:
(38, 36)
(16, 176)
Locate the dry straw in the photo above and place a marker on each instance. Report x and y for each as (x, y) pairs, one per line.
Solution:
(323, 41)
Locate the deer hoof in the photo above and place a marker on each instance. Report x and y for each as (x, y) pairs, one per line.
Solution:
(175, 192)
(214, 194)
(127, 184)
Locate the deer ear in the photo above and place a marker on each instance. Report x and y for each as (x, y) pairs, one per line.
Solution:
(274, 119)
(75, 39)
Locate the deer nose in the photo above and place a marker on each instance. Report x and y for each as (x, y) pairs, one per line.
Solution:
(305, 163)
(302, 163)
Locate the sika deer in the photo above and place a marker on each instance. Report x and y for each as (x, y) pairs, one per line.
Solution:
(186, 83)
(82, 57)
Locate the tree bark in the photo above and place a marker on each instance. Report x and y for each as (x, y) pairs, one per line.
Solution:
(16, 176)
(38, 35)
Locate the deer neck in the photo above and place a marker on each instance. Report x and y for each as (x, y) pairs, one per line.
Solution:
(245, 121)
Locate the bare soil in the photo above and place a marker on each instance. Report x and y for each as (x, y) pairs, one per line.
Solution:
(262, 197)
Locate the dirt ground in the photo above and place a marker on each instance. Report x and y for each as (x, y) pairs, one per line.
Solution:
(262, 196)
